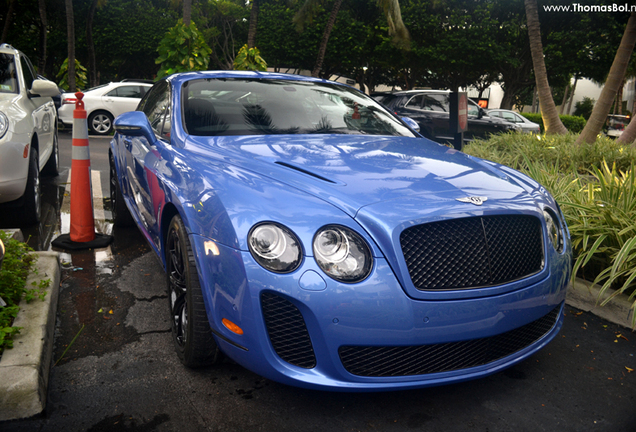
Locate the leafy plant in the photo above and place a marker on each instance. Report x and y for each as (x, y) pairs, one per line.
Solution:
(572, 123)
(182, 49)
(584, 107)
(80, 75)
(598, 202)
(18, 262)
(249, 59)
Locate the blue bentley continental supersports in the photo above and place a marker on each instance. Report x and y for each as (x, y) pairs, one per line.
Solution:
(314, 238)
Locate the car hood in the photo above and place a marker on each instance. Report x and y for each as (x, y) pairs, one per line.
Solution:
(354, 172)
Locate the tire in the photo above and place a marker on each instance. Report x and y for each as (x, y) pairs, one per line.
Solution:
(100, 123)
(30, 211)
(191, 331)
(52, 166)
(118, 207)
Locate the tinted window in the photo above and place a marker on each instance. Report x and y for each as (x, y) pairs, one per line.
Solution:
(436, 102)
(8, 75)
(257, 107)
(415, 102)
(27, 72)
(156, 104)
(126, 91)
(494, 114)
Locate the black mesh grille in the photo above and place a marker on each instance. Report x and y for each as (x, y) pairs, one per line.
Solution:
(287, 331)
(473, 252)
(425, 359)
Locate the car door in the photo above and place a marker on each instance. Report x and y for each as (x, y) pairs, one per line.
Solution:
(437, 108)
(42, 111)
(143, 160)
(123, 99)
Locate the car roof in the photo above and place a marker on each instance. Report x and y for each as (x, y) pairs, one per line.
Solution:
(5, 48)
(180, 78)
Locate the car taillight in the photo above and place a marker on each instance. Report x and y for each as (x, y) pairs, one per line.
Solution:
(69, 101)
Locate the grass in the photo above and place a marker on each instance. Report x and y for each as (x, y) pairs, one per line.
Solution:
(595, 184)
(18, 263)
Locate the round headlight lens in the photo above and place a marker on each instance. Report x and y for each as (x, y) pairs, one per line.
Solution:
(555, 233)
(275, 247)
(4, 124)
(342, 254)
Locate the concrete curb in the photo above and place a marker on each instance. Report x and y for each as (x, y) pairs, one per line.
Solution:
(24, 370)
(585, 296)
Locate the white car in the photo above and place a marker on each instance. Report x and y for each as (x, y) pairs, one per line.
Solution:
(105, 102)
(616, 124)
(526, 125)
(28, 134)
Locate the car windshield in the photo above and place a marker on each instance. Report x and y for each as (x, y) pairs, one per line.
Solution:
(8, 75)
(215, 107)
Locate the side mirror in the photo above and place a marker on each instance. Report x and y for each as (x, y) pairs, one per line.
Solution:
(43, 88)
(411, 123)
(134, 123)
(481, 113)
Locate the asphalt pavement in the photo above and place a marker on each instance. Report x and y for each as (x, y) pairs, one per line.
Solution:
(114, 368)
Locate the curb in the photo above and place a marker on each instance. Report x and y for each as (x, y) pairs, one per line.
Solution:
(24, 370)
(585, 296)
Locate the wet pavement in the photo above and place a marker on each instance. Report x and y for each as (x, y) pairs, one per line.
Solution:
(115, 367)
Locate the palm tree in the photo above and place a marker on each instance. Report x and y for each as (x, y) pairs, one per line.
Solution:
(614, 80)
(43, 36)
(187, 12)
(551, 121)
(70, 31)
(251, 33)
(7, 21)
(391, 10)
(92, 62)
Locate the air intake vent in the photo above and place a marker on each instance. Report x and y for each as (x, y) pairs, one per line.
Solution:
(385, 361)
(287, 331)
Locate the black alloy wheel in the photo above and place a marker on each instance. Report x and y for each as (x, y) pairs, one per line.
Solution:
(191, 332)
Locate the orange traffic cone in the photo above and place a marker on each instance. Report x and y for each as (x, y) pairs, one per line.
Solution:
(82, 235)
(82, 219)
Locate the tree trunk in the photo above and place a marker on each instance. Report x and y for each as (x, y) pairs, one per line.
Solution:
(187, 12)
(7, 22)
(566, 93)
(43, 37)
(551, 121)
(325, 38)
(576, 80)
(251, 34)
(70, 34)
(614, 79)
(619, 98)
(92, 62)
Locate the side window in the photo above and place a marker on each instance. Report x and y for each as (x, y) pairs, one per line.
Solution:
(509, 117)
(27, 72)
(494, 114)
(436, 102)
(415, 102)
(519, 119)
(156, 105)
(126, 91)
(473, 109)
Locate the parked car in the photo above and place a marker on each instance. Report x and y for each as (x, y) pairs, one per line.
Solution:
(616, 124)
(105, 102)
(431, 110)
(526, 125)
(28, 134)
(313, 238)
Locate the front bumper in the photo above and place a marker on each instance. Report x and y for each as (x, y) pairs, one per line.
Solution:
(14, 167)
(373, 313)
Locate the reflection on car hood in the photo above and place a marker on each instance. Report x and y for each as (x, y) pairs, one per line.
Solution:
(352, 172)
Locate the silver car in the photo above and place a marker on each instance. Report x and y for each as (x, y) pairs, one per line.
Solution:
(28, 134)
(526, 125)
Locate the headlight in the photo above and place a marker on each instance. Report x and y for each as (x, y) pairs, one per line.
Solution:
(4, 124)
(555, 231)
(275, 247)
(342, 254)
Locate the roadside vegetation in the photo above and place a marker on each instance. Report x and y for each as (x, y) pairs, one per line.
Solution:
(595, 185)
(18, 263)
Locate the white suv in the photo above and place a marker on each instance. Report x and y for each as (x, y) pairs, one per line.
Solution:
(28, 134)
(105, 102)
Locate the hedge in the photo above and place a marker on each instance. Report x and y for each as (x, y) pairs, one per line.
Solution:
(574, 124)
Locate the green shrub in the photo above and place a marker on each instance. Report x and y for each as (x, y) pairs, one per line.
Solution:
(182, 49)
(584, 107)
(598, 202)
(572, 123)
(18, 262)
